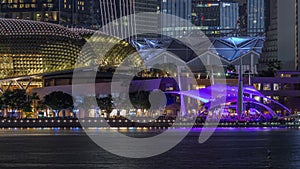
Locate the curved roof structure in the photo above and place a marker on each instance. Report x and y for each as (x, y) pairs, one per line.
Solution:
(231, 48)
(231, 94)
(17, 27)
(31, 48)
(228, 48)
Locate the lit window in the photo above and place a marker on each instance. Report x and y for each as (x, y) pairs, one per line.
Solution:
(257, 86)
(267, 86)
(275, 86)
(257, 98)
(276, 98)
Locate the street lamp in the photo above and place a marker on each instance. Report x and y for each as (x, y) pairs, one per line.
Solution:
(240, 91)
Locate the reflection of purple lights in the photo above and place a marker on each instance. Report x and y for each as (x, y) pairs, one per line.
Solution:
(236, 129)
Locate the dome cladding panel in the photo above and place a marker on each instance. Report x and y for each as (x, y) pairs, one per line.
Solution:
(29, 48)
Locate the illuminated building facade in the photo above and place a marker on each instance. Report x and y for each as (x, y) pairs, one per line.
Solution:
(284, 87)
(211, 17)
(121, 21)
(69, 13)
(215, 17)
(32, 48)
(174, 26)
(256, 17)
(282, 37)
(147, 22)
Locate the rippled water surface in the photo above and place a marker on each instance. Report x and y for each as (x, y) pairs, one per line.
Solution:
(227, 148)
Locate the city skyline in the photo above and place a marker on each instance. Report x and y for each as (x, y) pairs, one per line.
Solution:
(149, 84)
(94, 14)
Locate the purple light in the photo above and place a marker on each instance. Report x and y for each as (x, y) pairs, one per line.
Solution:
(207, 95)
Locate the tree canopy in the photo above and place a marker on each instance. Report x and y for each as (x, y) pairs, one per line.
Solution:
(59, 101)
(16, 100)
(106, 104)
(272, 66)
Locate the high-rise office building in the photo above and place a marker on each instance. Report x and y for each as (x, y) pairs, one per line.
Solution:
(146, 18)
(255, 17)
(243, 18)
(182, 12)
(215, 17)
(119, 15)
(69, 13)
(282, 42)
(116, 19)
(229, 16)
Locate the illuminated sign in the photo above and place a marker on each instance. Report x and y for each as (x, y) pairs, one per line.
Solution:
(201, 5)
(226, 5)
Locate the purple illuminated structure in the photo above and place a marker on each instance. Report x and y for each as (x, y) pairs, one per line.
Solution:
(258, 106)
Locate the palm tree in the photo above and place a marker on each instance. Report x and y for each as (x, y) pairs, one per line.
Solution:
(34, 98)
(40, 106)
(2, 104)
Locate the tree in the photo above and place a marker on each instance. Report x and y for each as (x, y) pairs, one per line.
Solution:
(59, 101)
(272, 66)
(40, 106)
(140, 100)
(106, 104)
(34, 98)
(2, 104)
(165, 69)
(230, 69)
(16, 100)
(87, 103)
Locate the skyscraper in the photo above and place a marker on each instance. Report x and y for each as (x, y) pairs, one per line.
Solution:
(119, 15)
(282, 42)
(175, 26)
(115, 17)
(69, 13)
(256, 17)
(148, 21)
(229, 15)
(215, 17)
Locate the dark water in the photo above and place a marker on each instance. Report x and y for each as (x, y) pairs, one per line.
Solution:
(227, 148)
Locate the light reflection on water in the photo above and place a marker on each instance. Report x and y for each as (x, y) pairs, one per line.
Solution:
(56, 131)
(227, 148)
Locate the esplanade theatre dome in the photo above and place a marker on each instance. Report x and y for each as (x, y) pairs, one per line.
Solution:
(33, 48)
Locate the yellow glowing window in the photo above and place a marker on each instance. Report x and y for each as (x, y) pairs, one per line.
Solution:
(267, 86)
(257, 86)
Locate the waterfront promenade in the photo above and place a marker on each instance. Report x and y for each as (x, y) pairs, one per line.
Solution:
(125, 123)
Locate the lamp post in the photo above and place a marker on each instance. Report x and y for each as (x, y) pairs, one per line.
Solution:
(240, 80)
(240, 91)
